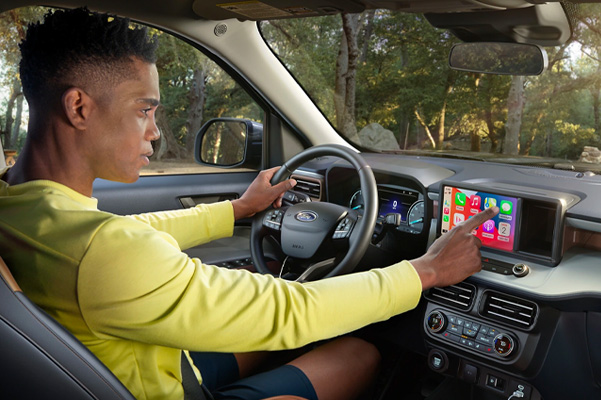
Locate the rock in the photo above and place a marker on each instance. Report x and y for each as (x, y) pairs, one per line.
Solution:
(375, 136)
(591, 155)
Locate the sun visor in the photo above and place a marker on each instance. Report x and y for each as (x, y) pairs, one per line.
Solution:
(542, 24)
(263, 10)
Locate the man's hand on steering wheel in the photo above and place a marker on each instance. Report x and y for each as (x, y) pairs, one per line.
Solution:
(261, 194)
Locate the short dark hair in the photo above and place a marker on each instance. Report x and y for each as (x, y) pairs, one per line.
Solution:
(80, 48)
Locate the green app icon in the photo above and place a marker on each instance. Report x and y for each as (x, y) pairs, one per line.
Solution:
(506, 207)
(445, 218)
(460, 199)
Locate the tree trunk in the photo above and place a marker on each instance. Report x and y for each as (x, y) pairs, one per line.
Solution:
(515, 108)
(344, 100)
(475, 142)
(443, 110)
(426, 128)
(533, 133)
(492, 134)
(167, 146)
(197, 97)
(17, 123)
(8, 127)
(368, 28)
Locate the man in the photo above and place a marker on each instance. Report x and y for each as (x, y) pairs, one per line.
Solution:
(122, 284)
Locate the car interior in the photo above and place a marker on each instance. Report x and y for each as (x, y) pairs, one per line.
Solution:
(523, 327)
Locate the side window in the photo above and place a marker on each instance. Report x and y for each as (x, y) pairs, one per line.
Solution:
(194, 90)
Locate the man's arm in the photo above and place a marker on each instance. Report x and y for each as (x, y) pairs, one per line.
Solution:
(261, 194)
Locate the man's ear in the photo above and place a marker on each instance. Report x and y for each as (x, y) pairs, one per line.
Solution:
(77, 105)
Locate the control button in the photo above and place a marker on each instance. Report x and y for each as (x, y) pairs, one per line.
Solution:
(484, 339)
(438, 360)
(494, 382)
(470, 373)
(436, 321)
(503, 344)
(520, 270)
(455, 329)
(484, 330)
(469, 332)
(460, 321)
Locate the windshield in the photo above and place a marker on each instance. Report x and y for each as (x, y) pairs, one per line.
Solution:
(383, 81)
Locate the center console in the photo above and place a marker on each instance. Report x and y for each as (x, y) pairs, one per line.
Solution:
(476, 330)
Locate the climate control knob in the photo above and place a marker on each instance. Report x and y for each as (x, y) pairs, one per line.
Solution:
(503, 344)
(436, 321)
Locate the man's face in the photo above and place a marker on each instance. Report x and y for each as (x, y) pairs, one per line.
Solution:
(123, 126)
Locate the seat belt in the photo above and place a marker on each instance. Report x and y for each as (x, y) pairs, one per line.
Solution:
(192, 389)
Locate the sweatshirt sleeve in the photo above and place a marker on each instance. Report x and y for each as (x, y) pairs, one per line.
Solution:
(193, 226)
(134, 283)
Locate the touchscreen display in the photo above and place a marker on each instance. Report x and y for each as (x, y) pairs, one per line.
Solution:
(459, 205)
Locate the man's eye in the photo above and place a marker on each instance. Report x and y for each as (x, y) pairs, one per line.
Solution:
(146, 111)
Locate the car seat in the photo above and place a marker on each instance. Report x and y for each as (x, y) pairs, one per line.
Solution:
(40, 359)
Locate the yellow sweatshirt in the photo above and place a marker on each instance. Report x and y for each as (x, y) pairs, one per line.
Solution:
(122, 286)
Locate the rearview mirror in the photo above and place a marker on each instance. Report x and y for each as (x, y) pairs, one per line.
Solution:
(229, 142)
(498, 58)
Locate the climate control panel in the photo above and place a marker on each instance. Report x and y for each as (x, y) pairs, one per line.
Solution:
(470, 334)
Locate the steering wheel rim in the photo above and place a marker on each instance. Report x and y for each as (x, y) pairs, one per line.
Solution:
(361, 234)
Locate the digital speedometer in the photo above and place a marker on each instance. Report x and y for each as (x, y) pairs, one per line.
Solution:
(404, 202)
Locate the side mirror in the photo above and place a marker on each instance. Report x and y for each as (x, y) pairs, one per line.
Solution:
(498, 58)
(229, 142)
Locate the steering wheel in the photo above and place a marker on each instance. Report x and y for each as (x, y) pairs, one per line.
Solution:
(319, 239)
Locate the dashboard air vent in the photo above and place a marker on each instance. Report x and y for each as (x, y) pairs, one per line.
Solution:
(308, 187)
(460, 296)
(508, 309)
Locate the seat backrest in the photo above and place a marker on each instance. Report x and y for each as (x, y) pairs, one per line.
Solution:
(40, 359)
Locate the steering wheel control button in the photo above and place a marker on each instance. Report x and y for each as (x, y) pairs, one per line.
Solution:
(343, 229)
(503, 344)
(469, 334)
(273, 219)
(520, 270)
(436, 321)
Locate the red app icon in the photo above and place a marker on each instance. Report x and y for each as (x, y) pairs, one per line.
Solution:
(447, 210)
(475, 201)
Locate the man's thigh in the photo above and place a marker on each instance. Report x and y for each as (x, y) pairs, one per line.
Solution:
(221, 376)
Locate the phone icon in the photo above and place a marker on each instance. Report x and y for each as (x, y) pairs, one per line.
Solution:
(475, 201)
(460, 199)
(506, 207)
(445, 218)
(490, 202)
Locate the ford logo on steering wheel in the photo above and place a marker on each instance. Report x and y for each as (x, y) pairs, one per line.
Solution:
(306, 216)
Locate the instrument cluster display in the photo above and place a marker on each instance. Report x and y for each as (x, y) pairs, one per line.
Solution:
(408, 203)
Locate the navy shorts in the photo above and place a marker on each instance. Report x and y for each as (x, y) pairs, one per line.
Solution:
(220, 375)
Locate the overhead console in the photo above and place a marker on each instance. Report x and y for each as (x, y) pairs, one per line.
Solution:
(529, 225)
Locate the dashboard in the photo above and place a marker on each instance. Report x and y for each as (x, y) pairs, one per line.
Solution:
(536, 305)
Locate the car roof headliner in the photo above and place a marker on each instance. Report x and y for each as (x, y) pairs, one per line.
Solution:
(217, 10)
(481, 20)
